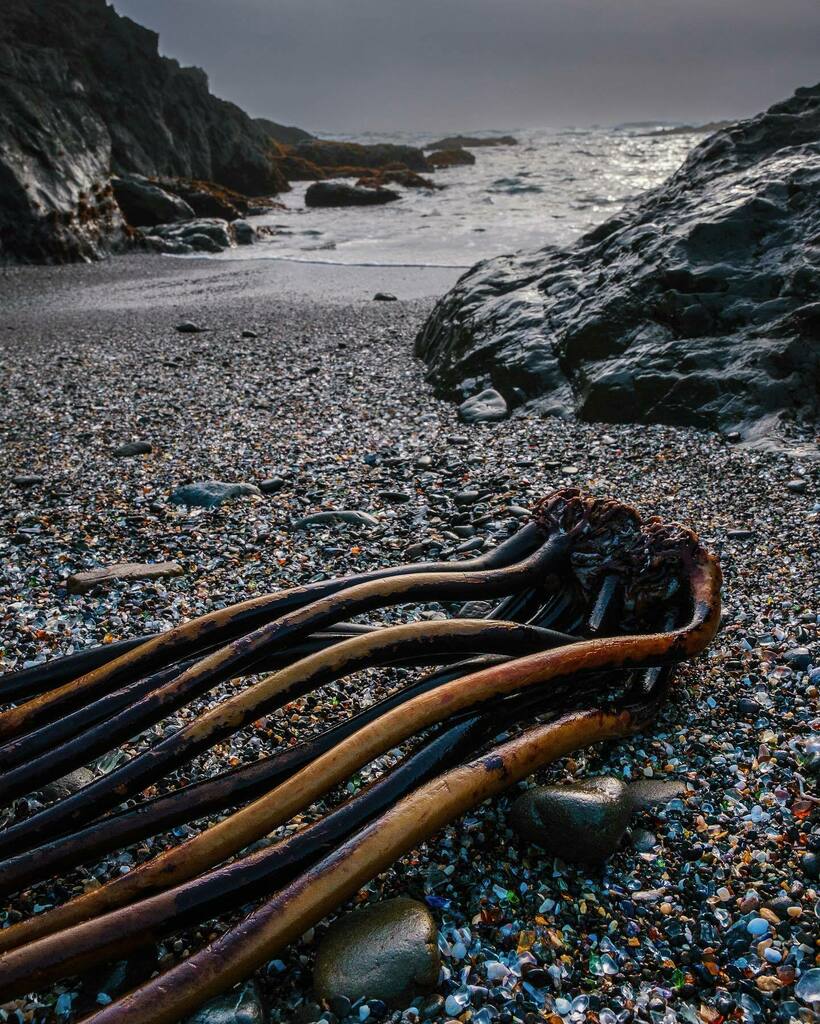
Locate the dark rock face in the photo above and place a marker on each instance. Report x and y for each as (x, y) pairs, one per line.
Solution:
(70, 114)
(55, 156)
(697, 305)
(327, 154)
(284, 133)
(331, 193)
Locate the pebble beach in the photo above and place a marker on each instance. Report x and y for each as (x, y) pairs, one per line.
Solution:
(302, 386)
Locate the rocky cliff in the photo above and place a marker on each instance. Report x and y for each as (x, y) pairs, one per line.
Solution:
(699, 304)
(83, 92)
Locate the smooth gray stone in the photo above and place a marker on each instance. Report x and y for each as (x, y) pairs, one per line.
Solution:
(243, 232)
(578, 822)
(486, 407)
(210, 493)
(132, 448)
(352, 516)
(646, 793)
(387, 951)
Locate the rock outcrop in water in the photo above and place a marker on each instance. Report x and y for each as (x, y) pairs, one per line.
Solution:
(83, 92)
(472, 141)
(698, 305)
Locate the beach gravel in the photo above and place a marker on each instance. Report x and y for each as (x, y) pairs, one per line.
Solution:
(711, 915)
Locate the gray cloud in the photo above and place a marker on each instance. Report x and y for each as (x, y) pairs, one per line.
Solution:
(469, 64)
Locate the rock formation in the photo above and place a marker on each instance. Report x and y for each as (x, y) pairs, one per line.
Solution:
(330, 155)
(698, 304)
(331, 193)
(472, 141)
(83, 92)
(451, 158)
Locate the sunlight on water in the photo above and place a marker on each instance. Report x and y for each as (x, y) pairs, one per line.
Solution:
(548, 190)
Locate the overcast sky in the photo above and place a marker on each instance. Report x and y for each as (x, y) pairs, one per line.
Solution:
(354, 65)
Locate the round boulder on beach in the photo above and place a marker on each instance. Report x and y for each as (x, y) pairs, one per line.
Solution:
(578, 822)
(387, 951)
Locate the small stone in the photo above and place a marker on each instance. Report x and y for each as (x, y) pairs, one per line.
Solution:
(66, 786)
(351, 516)
(132, 448)
(486, 407)
(187, 327)
(27, 481)
(757, 926)
(646, 793)
(810, 863)
(271, 486)
(384, 297)
(739, 534)
(388, 951)
(582, 821)
(395, 497)
(241, 1006)
(210, 493)
(82, 582)
(796, 486)
(249, 334)
(643, 841)
(798, 657)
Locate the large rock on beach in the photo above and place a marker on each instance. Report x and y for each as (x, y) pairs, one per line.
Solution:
(581, 821)
(69, 116)
(696, 305)
(144, 204)
(485, 407)
(387, 951)
(334, 193)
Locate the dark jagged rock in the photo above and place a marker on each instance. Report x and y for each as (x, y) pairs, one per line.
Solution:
(143, 203)
(332, 193)
(207, 199)
(287, 134)
(328, 154)
(451, 158)
(472, 141)
(70, 114)
(55, 155)
(697, 305)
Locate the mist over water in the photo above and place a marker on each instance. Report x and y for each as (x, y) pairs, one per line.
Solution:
(548, 190)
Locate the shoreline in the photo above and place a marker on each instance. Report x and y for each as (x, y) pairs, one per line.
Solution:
(148, 280)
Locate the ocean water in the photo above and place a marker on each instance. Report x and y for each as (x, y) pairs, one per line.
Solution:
(549, 189)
